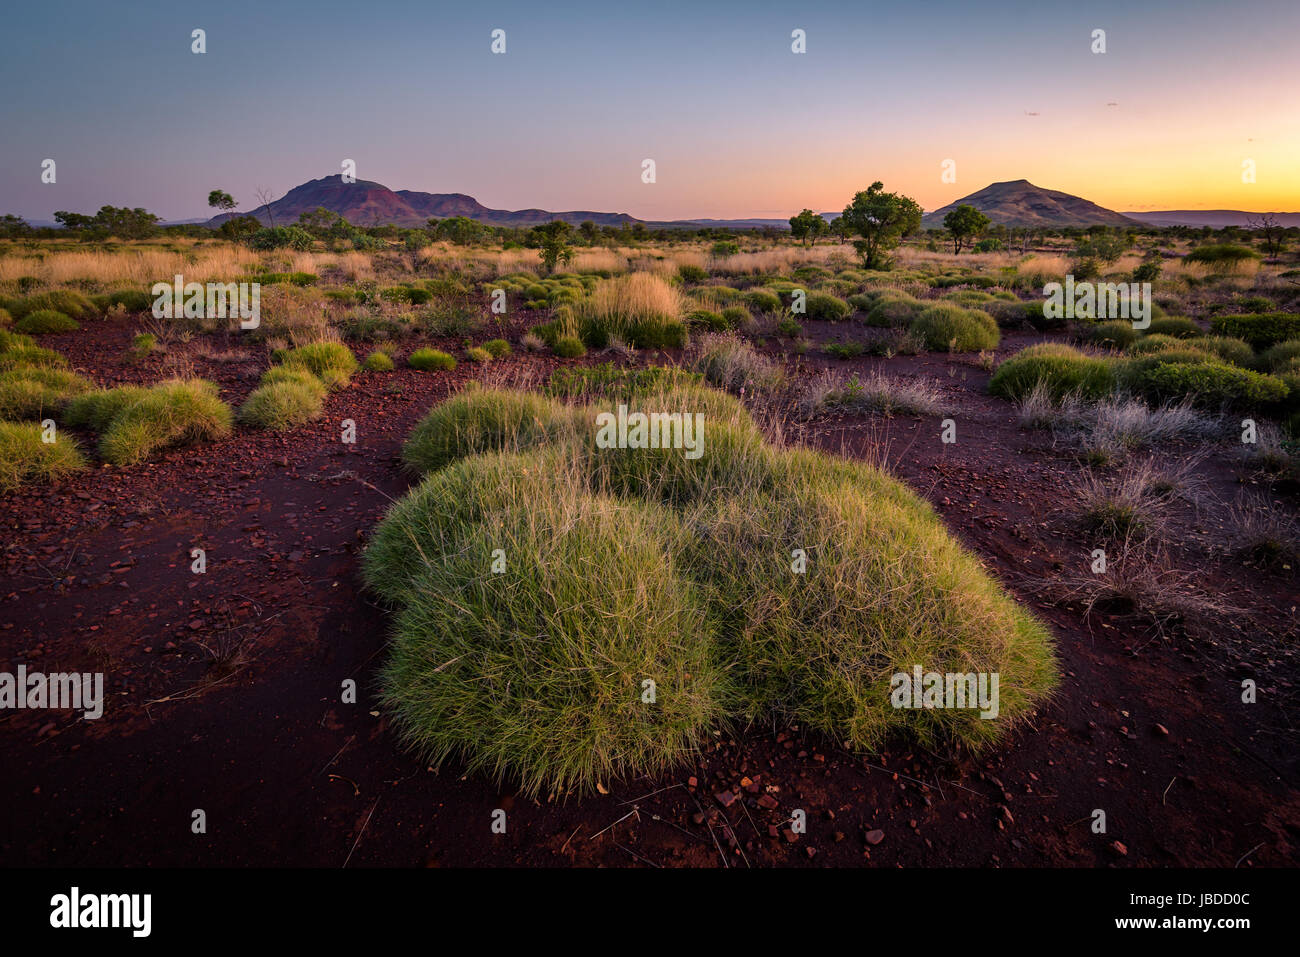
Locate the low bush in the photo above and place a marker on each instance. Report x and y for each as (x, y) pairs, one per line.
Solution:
(761, 300)
(431, 359)
(1113, 334)
(497, 348)
(1261, 330)
(1211, 385)
(1280, 355)
(67, 301)
(893, 310)
(46, 321)
(569, 347)
(378, 362)
(1061, 369)
(477, 354)
(1177, 327)
(824, 306)
(948, 326)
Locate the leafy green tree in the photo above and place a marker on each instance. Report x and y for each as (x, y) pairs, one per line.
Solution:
(128, 223)
(1102, 245)
(221, 200)
(239, 229)
(553, 241)
(807, 226)
(964, 221)
(73, 221)
(12, 226)
(587, 229)
(882, 220)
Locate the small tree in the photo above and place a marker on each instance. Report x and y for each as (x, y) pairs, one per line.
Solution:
(807, 226)
(221, 200)
(882, 220)
(1271, 233)
(553, 241)
(962, 222)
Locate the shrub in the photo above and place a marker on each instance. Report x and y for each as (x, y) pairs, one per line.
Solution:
(760, 300)
(331, 362)
(1178, 327)
(692, 273)
(483, 420)
(947, 326)
(378, 362)
(287, 397)
(27, 459)
(1280, 355)
(497, 348)
(824, 306)
(1261, 330)
(844, 350)
(137, 422)
(893, 310)
(43, 321)
(1221, 255)
(18, 351)
(569, 347)
(67, 301)
(1226, 348)
(1211, 385)
(1114, 334)
(431, 359)
(476, 354)
(736, 316)
(1061, 369)
(131, 300)
(143, 345)
(789, 328)
(529, 672)
(6, 319)
(708, 319)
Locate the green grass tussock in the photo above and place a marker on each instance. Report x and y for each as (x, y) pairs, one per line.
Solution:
(27, 459)
(541, 580)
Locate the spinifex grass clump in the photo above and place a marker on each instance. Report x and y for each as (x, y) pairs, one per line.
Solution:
(640, 309)
(331, 362)
(136, 422)
(26, 458)
(289, 396)
(570, 611)
(37, 392)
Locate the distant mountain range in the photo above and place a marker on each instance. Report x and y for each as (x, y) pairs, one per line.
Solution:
(1014, 203)
(1209, 217)
(1021, 203)
(366, 203)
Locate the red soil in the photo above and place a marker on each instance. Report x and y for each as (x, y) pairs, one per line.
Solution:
(223, 689)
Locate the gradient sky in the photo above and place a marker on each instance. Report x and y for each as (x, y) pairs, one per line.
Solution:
(738, 125)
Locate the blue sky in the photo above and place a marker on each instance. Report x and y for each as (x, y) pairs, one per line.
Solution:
(736, 123)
